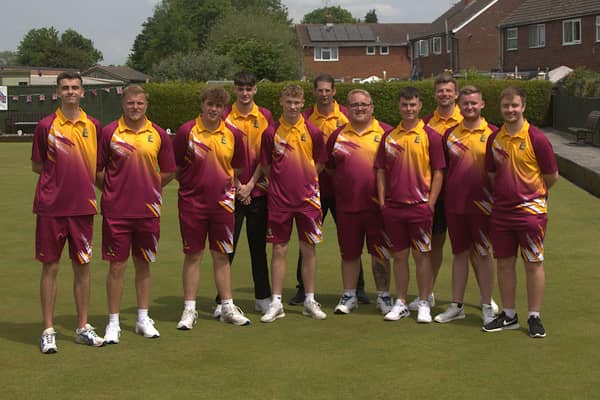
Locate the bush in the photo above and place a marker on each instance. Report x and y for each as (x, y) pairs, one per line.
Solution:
(173, 103)
(582, 82)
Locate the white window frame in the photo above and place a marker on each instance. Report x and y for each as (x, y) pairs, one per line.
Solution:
(538, 34)
(568, 26)
(597, 28)
(356, 80)
(386, 52)
(333, 54)
(371, 50)
(512, 37)
(436, 45)
(448, 43)
(423, 48)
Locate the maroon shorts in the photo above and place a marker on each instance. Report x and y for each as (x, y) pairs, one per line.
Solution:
(508, 232)
(217, 226)
(408, 226)
(353, 227)
(469, 229)
(308, 224)
(122, 236)
(51, 234)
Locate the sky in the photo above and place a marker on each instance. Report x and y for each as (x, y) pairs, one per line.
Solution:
(113, 24)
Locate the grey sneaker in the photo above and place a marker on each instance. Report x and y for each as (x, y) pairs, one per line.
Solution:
(262, 305)
(414, 305)
(232, 314)
(452, 312)
(487, 313)
(188, 320)
(384, 304)
(48, 341)
(87, 335)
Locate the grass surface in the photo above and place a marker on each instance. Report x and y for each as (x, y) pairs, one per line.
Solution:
(354, 356)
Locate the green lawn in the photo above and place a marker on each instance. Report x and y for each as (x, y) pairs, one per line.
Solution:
(355, 356)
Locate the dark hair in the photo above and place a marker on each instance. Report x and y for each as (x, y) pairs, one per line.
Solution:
(68, 75)
(215, 94)
(244, 78)
(467, 90)
(409, 92)
(512, 91)
(445, 77)
(324, 78)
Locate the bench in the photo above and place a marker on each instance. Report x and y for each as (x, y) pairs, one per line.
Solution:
(22, 120)
(591, 128)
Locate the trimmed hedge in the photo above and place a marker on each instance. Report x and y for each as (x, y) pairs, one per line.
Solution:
(173, 103)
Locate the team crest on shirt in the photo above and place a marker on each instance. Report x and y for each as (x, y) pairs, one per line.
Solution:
(303, 137)
(223, 140)
(522, 146)
(376, 139)
(150, 139)
(483, 138)
(338, 123)
(418, 139)
(85, 132)
(256, 124)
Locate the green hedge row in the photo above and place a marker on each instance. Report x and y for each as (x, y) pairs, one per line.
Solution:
(173, 103)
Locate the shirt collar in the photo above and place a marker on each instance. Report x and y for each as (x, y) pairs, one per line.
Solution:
(334, 114)
(373, 127)
(202, 128)
(123, 126)
(419, 128)
(456, 115)
(298, 125)
(62, 118)
(235, 111)
(482, 125)
(521, 134)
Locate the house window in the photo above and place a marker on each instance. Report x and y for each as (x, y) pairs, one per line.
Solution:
(598, 28)
(356, 80)
(436, 45)
(571, 31)
(512, 36)
(537, 35)
(326, 54)
(384, 50)
(423, 48)
(370, 50)
(448, 43)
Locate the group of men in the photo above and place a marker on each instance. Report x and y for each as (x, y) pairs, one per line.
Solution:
(234, 163)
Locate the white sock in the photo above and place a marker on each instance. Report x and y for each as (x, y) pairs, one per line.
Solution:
(227, 302)
(383, 294)
(142, 314)
(189, 305)
(276, 299)
(510, 312)
(534, 314)
(113, 319)
(399, 302)
(311, 297)
(350, 292)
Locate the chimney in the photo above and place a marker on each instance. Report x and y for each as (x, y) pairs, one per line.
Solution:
(329, 23)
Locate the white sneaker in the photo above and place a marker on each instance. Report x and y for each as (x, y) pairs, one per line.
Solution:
(232, 314)
(313, 309)
(487, 313)
(424, 315)
(452, 312)
(262, 305)
(188, 320)
(346, 304)
(495, 307)
(112, 334)
(146, 328)
(384, 304)
(218, 311)
(87, 335)
(414, 305)
(48, 341)
(274, 312)
(398, 311)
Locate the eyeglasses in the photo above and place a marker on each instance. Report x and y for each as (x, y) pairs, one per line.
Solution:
(359, 105)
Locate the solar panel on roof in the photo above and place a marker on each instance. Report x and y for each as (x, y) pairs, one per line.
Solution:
(340, 33)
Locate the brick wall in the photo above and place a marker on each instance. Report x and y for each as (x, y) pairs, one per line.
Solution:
(354, 63)
(554, 54)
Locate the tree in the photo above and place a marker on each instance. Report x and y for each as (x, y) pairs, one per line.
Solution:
(44, 47)
(182, 26)
(8, 57)
(259, 43)
(319, 16)
(194, 66)
(371, 17)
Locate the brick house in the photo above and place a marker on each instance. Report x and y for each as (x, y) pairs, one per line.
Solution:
(463, 37)
(352, 52)
(545, 34)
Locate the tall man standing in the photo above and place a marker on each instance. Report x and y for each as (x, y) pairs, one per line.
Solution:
(522, 166)
(64, 155)
(468, 201)
(327, 115)
(251, 192)
(351, 151)
(292, 156)
(209, 154)
(134, 162)
(409, 165)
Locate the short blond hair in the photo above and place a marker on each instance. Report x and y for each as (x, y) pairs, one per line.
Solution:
(134, 90)
(215, 94)
(293, 91)
(359, 91)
